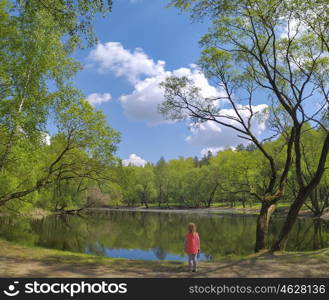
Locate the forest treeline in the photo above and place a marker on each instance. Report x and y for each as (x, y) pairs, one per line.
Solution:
(232, 177)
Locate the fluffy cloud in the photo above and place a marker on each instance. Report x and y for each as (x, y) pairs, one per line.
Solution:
(142, 103)
(214, 151)
(134, 160)
(46, 138)
(216, 136)
(96, 99)
(133, 65)
(145, 75)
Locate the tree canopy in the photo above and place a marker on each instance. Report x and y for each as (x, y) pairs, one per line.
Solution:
(255, 49)
(37, 39)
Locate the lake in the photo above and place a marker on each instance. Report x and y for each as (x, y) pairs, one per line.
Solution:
(155, 235)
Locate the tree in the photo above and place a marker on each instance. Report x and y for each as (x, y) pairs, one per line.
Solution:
(145, 184)
(161, 181)
(318, 199)
(237, 176)
(177, 186)
(73, 18)
(251, 147)
(127, 179)
(240, 147)
(253, 47)
(36, 41)
(80, 152)
(205, 159)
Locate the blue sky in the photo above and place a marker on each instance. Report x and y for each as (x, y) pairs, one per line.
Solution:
(140, 43)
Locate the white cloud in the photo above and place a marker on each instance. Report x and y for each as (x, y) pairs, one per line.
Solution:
(133, 65)
(142, 103)
(216, 136)
(134, 160)
(96, 99)
(213, 150)
(145, 75)
(200, 81)
(46, 138)
(293, 28)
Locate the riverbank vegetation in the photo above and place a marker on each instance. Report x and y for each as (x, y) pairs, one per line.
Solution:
(227, 179)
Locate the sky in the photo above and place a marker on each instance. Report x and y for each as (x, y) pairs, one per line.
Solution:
(141, 42)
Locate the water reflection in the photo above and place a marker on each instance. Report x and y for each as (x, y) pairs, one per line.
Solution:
(155, 235)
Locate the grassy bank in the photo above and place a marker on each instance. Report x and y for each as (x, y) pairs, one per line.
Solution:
(21, 261)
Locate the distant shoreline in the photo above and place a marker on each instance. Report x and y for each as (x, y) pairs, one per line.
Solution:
(205, 211)
(232, 211)
(180, 210)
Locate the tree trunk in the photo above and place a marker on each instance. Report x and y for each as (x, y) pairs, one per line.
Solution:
(41, 183)
(144, 198)
(281, 242)
(315, 203)
(212, 195)
(303, 194)
(160, 196)
(263, 220)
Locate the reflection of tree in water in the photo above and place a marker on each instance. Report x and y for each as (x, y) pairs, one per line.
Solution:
(160, 253)
(317, 237)
(308, 234)
(162, 233)
(320, 238)
(301, 238)
(17, 230)
(97, 249)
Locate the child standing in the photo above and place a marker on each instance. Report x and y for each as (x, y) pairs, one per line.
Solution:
(192, 246)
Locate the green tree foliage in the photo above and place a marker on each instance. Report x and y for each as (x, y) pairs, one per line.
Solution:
(277, 49)
(36, 70)
(161, 181)
(229, 178)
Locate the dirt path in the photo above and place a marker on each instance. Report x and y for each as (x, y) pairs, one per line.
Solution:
(12, 267)
(19, 261)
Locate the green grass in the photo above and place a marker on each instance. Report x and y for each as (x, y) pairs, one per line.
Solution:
(52, 256)
(12, 249)
(21, 257)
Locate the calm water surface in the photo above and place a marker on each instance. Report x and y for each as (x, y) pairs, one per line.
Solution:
(155, 235)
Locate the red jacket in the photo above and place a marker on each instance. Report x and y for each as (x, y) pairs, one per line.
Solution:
(192, 243)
